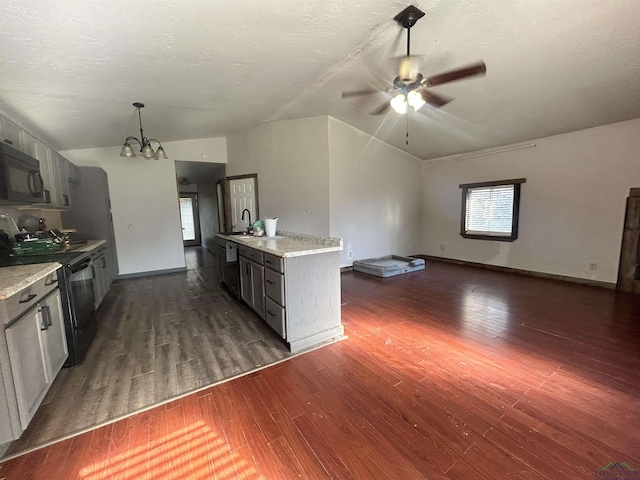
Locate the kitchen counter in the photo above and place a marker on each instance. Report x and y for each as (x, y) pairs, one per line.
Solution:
(87, 247)
(297, 294)
(288, 244)
(14, 279)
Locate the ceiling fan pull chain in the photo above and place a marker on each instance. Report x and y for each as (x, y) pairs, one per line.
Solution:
(407, 138)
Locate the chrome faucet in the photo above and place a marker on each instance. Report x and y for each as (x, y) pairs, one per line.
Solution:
(242, 218)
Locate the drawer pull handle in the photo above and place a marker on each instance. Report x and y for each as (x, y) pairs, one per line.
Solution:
(271, 313)
(52, 281)
(29, 298)
(269, 262)
(270, 282)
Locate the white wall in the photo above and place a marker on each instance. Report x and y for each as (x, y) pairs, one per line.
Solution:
(572, 205)
(291, 158)
(376, 195)
(144, 200)
(323, 177)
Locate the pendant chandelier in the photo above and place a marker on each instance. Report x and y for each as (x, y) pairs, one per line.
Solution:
(145, 144)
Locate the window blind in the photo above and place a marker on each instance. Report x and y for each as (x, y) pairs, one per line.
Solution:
(490, 210)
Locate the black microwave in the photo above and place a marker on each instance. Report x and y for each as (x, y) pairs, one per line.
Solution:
(20, 179)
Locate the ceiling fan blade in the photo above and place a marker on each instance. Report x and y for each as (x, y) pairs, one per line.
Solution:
(359, 93)
(475, 69)
(433, 99)
(383, 108)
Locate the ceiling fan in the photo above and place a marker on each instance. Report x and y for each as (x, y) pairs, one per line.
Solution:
(410, 87)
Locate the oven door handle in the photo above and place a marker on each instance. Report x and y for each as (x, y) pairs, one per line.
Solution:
(81, 266)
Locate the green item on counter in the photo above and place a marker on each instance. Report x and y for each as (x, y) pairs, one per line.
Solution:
(258, 224)
(40, 245)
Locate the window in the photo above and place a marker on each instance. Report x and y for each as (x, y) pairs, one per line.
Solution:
(490, 210)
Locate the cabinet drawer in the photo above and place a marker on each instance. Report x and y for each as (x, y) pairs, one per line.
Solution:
(251, 253)
(274, 262)
(274, 286)
(275, 316)
(30, 296)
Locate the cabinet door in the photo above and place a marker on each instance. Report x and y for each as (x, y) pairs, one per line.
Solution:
(246, 288)
(10, 133)
(257, 285)
(26, 353)
(100, 280)
(63, 181)
(54, 336)
(104, 272)
(220, 259)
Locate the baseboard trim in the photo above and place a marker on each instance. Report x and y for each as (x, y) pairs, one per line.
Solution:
(530, 273)
(151, 273)
(346, 269)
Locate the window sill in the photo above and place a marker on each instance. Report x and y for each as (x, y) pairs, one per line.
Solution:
(497, 238)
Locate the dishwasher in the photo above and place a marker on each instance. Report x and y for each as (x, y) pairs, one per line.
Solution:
(231, 268)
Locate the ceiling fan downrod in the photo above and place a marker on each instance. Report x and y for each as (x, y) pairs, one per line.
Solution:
(408, 18)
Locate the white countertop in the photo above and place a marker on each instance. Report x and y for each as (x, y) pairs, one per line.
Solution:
(14, 279)
(288, 244)
(90, 245)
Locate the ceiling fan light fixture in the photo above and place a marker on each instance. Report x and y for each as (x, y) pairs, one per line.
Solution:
(415, 100)
(399, 103)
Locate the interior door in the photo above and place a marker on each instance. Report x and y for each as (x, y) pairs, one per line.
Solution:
(190, 219)
(242, 193)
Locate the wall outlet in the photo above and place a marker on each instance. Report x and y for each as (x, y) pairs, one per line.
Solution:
(441, 249)
(130, 227)
(593, 266)
(349, 254)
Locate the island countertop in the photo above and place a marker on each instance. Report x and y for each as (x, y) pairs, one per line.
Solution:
(288, 244)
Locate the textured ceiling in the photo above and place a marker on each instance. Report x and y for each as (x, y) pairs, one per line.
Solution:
(71, 69)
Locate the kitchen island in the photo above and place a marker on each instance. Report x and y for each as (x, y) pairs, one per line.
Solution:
(292, 281)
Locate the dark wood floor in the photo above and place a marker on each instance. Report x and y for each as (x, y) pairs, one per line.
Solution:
(449, 373)
(159, 337)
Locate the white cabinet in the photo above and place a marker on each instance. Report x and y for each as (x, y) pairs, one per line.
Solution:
(54, 335)
(252, 278)
(219, 253)
(37, 349)
(27, 356)
(100, 274)
(62, 196)
(10, 132)
(274, 285)
(55, 170)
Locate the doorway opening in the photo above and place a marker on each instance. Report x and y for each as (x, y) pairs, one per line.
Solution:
(190, 218)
